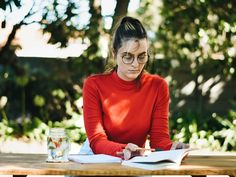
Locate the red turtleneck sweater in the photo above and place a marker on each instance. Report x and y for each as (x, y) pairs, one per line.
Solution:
(118, 112)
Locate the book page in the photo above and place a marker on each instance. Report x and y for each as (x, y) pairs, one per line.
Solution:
(96, 158)
(175, 156)
(151, 166)
(158, 160)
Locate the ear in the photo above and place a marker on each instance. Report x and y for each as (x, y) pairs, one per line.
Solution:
(113, 53)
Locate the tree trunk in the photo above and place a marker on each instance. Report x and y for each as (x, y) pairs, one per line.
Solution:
(120, 11)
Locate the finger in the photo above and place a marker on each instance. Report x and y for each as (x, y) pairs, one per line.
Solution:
(181, 145)
(135, 153)
(141, 152)
(131, 147)
(127, 154)
(174, 145)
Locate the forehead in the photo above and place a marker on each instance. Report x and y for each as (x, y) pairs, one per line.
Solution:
(134, 45)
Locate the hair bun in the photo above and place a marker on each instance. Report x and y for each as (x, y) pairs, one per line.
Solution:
(126, 19)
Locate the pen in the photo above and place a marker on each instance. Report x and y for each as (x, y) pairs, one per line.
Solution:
(145, 149)
(139, 148)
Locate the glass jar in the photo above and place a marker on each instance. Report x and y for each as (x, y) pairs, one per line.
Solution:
(58, 145)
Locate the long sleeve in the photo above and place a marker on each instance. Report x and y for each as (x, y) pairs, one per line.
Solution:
(159, 133)
(93, 122)
(117, 112)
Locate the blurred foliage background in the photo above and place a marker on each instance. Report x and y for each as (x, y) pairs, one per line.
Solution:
(193, 46)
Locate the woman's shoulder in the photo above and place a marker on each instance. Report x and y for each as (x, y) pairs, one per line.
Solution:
(156, 82)
(154, 78)
(97, 77)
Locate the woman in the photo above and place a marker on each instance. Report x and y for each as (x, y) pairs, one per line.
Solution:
(124, 107)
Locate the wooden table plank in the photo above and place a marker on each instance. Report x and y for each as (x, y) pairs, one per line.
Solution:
(34, 164)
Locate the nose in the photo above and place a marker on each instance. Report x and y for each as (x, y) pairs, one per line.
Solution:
(135, 62)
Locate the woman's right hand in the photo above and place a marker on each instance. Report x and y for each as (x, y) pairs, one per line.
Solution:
(131, 150)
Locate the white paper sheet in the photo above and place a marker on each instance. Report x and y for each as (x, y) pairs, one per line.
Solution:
(96, 158)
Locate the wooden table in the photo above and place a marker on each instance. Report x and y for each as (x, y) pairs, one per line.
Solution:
(34, 164)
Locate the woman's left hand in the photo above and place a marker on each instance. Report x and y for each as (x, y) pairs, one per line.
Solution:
(179, 145)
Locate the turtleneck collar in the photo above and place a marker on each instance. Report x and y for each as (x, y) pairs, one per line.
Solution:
(127, 85)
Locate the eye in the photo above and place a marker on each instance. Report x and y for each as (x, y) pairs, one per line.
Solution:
(142, 57)
(127, 57)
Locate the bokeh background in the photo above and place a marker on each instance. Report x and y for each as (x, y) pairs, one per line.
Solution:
(48, 48)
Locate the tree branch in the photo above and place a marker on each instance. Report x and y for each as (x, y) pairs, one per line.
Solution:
(7, 54)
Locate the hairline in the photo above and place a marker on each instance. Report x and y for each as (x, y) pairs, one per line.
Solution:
(127, 39)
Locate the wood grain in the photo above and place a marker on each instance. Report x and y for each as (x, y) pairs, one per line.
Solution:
(35, 164)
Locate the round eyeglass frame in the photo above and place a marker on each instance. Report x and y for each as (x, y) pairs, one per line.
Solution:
(133, 57)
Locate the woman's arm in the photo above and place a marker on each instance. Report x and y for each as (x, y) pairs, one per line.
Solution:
(92, 110)
(159, 133)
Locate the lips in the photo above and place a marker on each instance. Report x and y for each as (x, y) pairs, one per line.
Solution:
(133, 70)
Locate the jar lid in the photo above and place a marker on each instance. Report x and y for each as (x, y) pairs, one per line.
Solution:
(57, 132)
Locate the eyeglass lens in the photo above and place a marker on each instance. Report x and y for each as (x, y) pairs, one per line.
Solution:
(128, 58)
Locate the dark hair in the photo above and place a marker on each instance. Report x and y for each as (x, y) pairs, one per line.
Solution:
(127, 28)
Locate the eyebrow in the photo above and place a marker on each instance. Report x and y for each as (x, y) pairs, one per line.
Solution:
(133, 54)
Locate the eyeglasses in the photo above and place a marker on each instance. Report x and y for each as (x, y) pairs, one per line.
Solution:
(128, 58)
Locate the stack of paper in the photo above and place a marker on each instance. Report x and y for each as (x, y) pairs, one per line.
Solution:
(96, 158)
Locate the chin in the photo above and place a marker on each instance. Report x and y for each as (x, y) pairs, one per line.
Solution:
(132, 76)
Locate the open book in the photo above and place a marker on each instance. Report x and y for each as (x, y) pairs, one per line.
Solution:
(158, 160)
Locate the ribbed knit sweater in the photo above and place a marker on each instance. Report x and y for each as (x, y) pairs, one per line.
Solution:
(117, 112)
